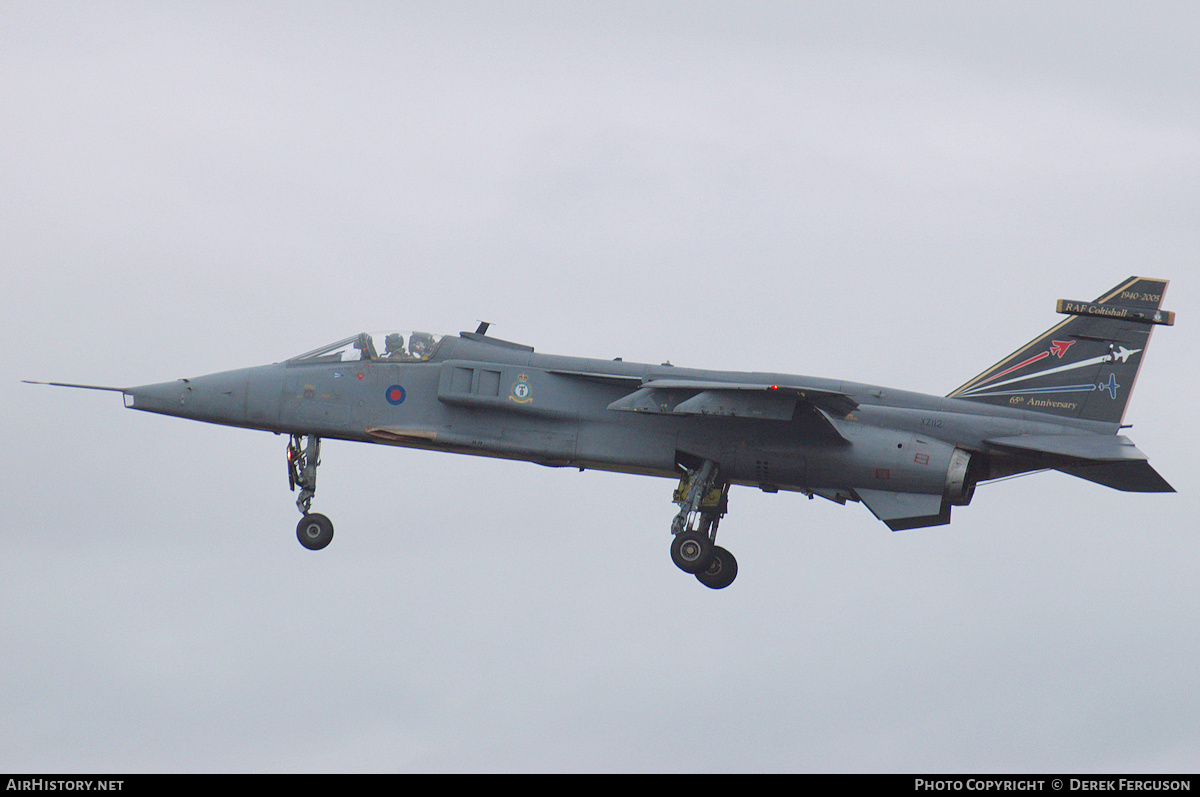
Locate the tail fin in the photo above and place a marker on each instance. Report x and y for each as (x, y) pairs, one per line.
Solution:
(1085, 366)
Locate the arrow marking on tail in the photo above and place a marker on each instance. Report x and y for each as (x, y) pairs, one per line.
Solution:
(1123, 355)
(1059, 347)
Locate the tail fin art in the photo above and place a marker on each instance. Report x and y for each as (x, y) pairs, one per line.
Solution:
(1085, 366)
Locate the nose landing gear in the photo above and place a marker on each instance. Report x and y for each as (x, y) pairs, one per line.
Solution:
(703, 501)
(314, 531)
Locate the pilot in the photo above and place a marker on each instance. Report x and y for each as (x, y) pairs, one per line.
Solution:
(420, 345)
(365, 346)
(394, 347)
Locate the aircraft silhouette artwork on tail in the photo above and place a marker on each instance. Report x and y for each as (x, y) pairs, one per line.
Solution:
(1056, 403)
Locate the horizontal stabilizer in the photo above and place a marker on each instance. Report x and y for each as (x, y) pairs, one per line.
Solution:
(1111, 460)
(1133, 476)
(1092, 447)
(902, 511)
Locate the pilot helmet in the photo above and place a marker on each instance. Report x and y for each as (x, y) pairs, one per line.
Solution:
(420, 344)
(394, 343)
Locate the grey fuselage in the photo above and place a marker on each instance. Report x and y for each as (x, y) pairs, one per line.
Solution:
(483, 396)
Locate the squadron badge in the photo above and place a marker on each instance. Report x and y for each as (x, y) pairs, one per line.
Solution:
(521, 392)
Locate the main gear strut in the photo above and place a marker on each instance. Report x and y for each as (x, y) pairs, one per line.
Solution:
(703, 500)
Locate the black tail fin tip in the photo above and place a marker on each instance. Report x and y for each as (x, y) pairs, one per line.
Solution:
(1085, 366)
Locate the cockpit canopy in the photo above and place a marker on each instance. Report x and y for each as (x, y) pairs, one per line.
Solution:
(399, 347)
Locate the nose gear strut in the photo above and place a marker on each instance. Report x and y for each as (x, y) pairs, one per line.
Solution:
(314, 531)
(703, 500)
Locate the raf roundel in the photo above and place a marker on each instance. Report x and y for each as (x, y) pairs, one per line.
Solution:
(394, 394)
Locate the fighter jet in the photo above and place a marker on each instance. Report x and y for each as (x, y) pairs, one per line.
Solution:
(1055, 403)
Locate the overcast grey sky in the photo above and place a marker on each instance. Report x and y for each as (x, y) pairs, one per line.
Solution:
(893, 193)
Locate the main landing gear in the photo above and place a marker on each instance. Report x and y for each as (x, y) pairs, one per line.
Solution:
(314, 530)
(703, 500)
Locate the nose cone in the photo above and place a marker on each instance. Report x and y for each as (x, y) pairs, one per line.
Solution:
(165, 397)
(216, 398)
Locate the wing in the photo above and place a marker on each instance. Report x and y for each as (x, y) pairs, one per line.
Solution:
(735, 400)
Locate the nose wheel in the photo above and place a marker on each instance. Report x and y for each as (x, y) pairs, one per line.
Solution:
(314, 530)
(703, 501)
